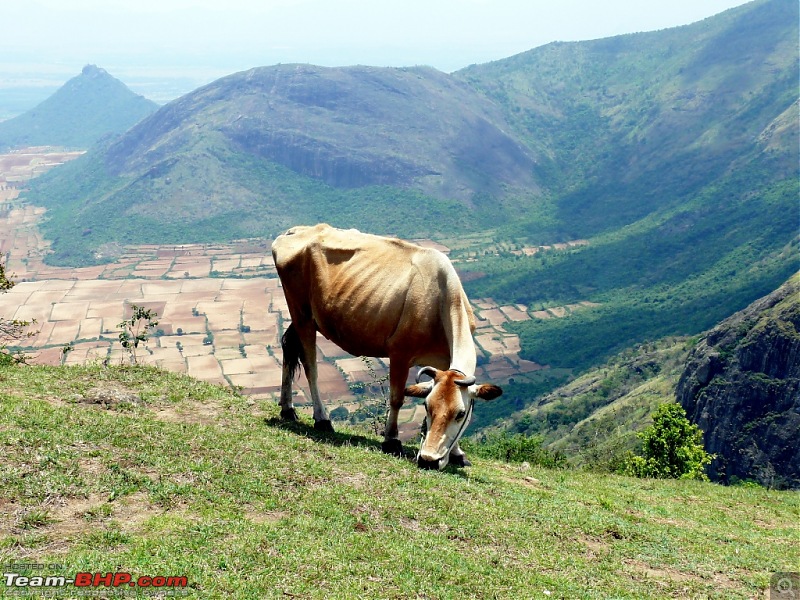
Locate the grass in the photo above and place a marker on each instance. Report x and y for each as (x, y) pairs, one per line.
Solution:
(195, 481)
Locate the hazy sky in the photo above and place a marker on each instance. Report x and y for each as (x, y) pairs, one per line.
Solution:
(141, 41)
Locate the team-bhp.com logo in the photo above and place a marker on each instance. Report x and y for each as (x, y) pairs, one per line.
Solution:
(92, 580)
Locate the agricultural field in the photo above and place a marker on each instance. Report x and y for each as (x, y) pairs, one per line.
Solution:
(219, 307)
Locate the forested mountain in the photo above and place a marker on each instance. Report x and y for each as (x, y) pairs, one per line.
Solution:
(86, 108)
(676, 153)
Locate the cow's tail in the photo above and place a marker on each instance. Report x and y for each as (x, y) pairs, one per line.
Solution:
(292, 350)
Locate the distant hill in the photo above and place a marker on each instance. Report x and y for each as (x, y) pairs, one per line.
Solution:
(633, 124)
(676, 154)
(401, 151)
(83, 110)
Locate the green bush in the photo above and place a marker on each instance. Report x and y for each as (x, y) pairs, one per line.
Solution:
(672, 448)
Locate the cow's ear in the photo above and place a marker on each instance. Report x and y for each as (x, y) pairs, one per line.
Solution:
(419, 390)
(486, 391)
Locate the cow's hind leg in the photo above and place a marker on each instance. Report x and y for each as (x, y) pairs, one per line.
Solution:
(292, 355)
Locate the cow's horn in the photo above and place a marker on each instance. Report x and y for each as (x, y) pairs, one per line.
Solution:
(466, 382)
(426, 371)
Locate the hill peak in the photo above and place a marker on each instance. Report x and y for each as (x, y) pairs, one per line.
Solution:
(94, 71)
(86, 108)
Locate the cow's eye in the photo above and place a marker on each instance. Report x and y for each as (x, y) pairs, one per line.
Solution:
(461, 414)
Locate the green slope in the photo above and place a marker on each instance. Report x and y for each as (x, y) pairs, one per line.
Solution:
(243, 196)
(178, 478)
(86, 108)
(676, 153)
(737, 381)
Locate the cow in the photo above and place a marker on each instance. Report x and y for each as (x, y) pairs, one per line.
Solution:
(382, 297)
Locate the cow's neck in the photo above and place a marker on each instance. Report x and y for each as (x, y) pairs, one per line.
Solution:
(462, 346)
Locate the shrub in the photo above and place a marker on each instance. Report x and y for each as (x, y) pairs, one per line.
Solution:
(11, 330)
(136, 330)
(672, 448)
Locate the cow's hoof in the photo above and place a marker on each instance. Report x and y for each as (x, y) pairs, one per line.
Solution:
(324, 425)
(459, 460)
(393, 446)
(288, 414)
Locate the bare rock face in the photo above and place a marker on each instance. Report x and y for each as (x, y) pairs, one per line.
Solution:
(741, 386)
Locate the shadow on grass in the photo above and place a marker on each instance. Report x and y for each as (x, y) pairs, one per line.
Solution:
(339, 439)
(335, 438)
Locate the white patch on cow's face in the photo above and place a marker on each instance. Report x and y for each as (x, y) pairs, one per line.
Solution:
(448, 407)
(448, 412)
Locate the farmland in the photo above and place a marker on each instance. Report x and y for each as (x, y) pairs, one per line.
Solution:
(219, 307)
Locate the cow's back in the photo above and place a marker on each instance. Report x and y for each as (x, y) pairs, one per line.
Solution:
(371, 295)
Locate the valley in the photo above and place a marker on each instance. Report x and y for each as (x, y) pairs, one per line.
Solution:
(220, 309)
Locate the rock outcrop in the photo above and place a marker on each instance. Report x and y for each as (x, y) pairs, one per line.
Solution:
(741, 386)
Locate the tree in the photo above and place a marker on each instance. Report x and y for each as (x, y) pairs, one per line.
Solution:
(672, 447)
(11, 330)
(136, 330)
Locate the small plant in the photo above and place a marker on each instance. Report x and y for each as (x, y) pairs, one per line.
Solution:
(136, 330)
(11, 330)
(672, 448)
(65, 350)
(376, 399)
(35, 518)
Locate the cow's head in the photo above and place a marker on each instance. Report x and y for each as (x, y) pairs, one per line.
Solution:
(449, 397)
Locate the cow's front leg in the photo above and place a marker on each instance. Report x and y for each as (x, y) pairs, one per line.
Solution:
(397, 383)
(458, 458)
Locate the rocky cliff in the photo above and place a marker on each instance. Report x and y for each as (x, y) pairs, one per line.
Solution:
(741, 386)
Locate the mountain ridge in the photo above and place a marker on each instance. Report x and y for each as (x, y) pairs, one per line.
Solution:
(741, 385)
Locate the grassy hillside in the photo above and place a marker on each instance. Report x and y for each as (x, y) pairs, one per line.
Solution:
(86, 108)
(131, 469)
(593, 419)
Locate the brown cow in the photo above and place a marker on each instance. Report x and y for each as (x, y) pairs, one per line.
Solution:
(383, 297)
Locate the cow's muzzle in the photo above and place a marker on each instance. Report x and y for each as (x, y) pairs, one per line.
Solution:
(423, 463)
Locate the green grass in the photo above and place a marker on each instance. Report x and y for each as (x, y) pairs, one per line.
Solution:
(195, 481)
